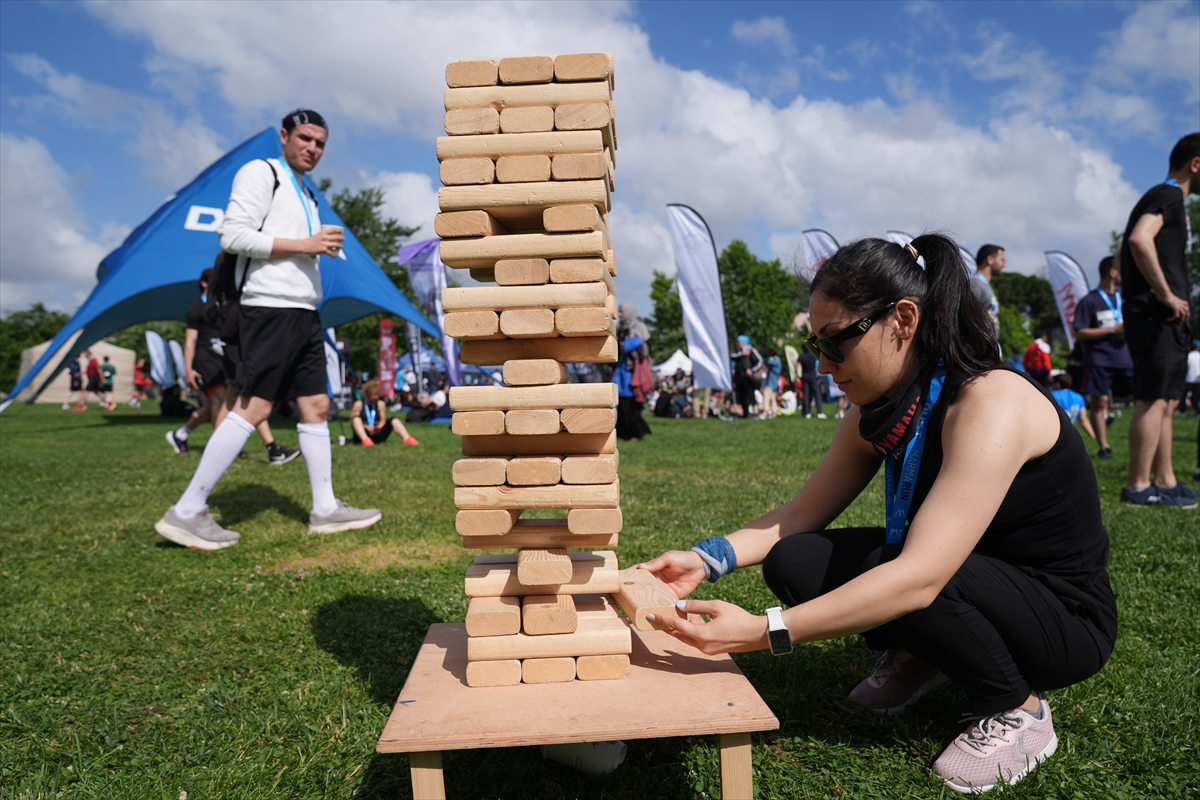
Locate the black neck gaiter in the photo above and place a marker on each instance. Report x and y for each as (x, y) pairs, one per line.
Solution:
(889, 424)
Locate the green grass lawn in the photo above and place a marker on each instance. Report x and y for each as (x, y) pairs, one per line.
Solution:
(133, 668)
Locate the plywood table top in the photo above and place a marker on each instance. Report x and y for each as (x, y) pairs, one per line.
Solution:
(671, 690)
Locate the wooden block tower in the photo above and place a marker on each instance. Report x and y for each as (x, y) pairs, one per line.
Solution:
(528, 173)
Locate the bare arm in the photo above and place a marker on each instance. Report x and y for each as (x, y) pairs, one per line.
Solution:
(1145, 256)
(189, 353)
(1093, 334)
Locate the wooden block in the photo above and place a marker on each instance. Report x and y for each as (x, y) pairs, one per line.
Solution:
(425, 770)
(484, 276)
(569, 395)
(544, 566)
(522, 169)
(544, 94)
(610, 303)
(558, 444)
(500, 298)
(527, 323)
(469, 121)
(610, 261)
(587, 349)
(534, 372)
(486, 251)
(640, 593)
(579, 270)
(595, 606)
(522, 271)
(593, 520)
(737, 765)
(576, 166)
(538, 538)
(593, 638)
(582, 67)
(492, 522)
(494, 616)
(589, 420)
(476, 72)
(532, 119)
(482, 471)
(477, 423)
(566, 219)
(507, 199)
(472, 324)
(521, 497)
(579, 117)
(491, 576)
(527, 69)
(494, 673)
(548, 670)
(601, 668)
(452, 224)
(531, 471)
(462, 171)
(532, 422)
(547, 614)
(594, 321)
(514, 144)
(587, 469)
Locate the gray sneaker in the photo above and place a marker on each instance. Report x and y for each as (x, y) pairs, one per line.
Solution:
(201, 532)
(896, 682)
(343, 518)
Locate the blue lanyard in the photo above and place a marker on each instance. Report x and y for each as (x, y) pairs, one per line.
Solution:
(308, 212)
(985, 280)
(370, 412)
(1108, 302)
(898, 502)
(1172, 182)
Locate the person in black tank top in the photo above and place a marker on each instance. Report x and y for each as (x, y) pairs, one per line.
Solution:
(369, 419)
(991, 570)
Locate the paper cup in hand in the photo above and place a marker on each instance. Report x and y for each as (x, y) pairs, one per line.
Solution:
(340, 230)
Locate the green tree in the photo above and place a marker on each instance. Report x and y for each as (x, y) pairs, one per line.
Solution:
(759, 296)
(666, 324)
(134, 337)
(1014, 331)
(1031, 297)
(23, 329)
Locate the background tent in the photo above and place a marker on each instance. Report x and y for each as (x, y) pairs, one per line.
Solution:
(678, 360)
(59, 388)
(153, 274)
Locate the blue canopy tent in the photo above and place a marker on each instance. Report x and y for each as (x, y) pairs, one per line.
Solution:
(153, 274)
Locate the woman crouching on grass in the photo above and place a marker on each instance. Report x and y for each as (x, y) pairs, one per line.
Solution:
(370, 421)
(991, 570)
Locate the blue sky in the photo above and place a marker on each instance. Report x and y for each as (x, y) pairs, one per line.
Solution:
(1031, 124)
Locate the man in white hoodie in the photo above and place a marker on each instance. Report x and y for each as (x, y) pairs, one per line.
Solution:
(272, 224)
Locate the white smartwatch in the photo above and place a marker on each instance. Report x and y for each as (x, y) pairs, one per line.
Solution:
(778, 633)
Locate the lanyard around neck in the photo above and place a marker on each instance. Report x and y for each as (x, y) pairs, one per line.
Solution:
(1116, 310)
(308, 212)
(899, 499)
(371, 412)
(1172, 182)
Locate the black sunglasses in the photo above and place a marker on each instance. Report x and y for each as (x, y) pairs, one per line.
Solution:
(828, 346)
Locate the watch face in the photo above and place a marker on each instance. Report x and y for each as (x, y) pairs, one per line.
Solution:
(781, 641)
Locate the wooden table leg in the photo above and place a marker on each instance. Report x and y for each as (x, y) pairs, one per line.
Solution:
(737, 767)
(426, 769)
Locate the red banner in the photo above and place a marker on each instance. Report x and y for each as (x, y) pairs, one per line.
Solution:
(387, 357)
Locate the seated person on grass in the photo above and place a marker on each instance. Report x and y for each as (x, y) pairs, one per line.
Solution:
(991, 572)
(370, 421)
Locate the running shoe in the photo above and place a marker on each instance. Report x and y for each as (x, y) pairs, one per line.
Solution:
(411, 440)
(1152, 496)
(80, 408)
(1178, 490)
(177, 444)
(278, 455)
(66, 406)
(1000, 748)
(343, 518)
(1104, 454)
(201, 532)
(367, 442)
(896, 682)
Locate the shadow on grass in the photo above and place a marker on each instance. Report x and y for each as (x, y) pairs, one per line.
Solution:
(240, 503)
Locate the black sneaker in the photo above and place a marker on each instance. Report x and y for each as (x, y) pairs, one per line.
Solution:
(278, 455)
(1104, 454)
(1152, 496)
(1178, 490)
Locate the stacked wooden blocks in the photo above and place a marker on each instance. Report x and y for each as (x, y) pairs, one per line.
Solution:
(528, 170)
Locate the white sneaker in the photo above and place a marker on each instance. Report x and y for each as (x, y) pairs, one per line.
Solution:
(822, 416)
(201, 532)
(343, 518)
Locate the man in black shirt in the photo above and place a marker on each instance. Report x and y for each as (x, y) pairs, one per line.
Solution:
(1155, 279)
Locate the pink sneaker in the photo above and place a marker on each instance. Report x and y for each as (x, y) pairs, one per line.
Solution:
(896, 682)
(411, 441)
(1000, 748)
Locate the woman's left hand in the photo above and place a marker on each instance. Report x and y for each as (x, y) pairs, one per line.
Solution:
(730, 628)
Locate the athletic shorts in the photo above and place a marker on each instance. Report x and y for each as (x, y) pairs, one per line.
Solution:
(94, 386)
(1159, 351)
(76, 384)
(211, 369)
(281, 351)
(1099, 381)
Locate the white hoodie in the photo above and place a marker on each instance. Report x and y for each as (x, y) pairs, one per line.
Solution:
(292, 282)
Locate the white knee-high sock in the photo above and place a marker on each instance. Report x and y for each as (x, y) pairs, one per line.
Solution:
(318, 456)
(222, 448)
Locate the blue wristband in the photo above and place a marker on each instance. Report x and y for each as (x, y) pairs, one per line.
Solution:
(718, 557)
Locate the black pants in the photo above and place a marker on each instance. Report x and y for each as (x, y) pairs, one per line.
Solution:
(812, 392)
(630, 423)
(994, 630)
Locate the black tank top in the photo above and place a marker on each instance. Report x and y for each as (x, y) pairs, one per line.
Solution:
(1049, 523)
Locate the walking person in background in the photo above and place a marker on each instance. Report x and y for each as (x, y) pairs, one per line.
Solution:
(989, 263)
(633, 376)
(272, 223)
(810, 383)
(1155, 277)
(770, 387)
(369, 419)
(1107, 367)
(95, 380)
(76, 395)
(747, 365)
(107, 374)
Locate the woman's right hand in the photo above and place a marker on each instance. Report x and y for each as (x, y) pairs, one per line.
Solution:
(682, 570)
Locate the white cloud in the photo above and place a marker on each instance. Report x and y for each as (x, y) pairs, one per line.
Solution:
(46, 252)
(764, 30)
(1159, 42)
(411, 199)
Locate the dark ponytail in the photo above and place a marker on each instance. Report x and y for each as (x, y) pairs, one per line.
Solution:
(868, 274)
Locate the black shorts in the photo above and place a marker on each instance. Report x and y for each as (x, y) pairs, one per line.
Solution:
(281, 351)
(1159, 351)
(76, 384)
(1098, 381)
(211, 369)
(95, 386)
